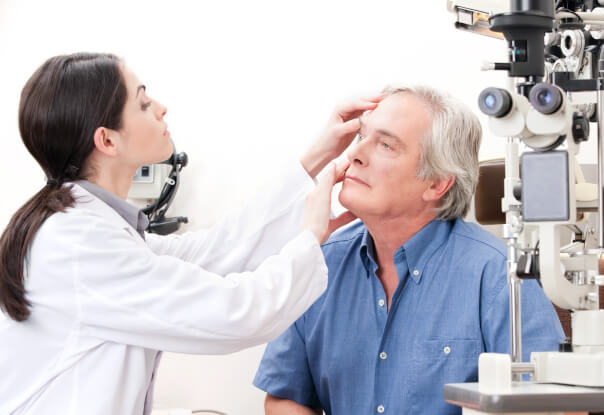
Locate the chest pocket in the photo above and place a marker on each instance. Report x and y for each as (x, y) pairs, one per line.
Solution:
(437, 362)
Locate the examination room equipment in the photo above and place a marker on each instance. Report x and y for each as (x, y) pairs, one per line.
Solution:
(157, 184)
(553, 218)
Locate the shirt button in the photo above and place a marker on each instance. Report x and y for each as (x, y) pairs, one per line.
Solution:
(381, 302)
(381, 409)
(447, 350)
(415, 272)
(383, 355)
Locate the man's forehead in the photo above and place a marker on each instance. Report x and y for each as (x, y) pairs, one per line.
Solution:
(393, 110)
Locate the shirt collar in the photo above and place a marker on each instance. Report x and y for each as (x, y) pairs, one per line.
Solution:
(416, 252)
(367, 252)
(133, 216)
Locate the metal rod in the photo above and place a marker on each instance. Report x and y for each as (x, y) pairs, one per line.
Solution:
(516, 323)
(600, 166)
(512, 170)
(523, 368)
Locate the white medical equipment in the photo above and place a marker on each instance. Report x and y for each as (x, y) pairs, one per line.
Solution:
(556, 63)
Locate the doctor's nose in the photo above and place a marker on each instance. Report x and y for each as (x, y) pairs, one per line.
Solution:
(161, 110)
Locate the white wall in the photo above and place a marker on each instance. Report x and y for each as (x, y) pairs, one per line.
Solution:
(247, 83)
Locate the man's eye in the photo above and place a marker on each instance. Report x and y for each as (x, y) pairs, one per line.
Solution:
(360, 137)
(386, 146)
(146, 105)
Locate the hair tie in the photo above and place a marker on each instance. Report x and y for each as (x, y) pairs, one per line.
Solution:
(52, 182)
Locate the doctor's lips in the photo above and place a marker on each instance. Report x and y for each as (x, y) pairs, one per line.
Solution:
(355, 179)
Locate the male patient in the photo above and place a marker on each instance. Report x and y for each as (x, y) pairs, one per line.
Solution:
(415, 293)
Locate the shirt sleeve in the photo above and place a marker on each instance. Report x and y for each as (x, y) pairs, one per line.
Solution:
(127, 294)
(242, 239)
(284, 371)
(541, 328)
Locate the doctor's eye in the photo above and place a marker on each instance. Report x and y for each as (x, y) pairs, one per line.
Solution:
(145, 105)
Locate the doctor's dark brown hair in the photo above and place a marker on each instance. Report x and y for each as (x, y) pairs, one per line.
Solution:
(62, 105)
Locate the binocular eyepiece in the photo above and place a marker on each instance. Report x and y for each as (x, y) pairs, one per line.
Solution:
(497, 102)
(546, 98)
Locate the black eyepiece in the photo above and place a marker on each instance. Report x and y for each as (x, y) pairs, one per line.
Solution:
(495, 102)
(546, 98)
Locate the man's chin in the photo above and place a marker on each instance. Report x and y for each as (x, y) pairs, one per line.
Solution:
(350, 203)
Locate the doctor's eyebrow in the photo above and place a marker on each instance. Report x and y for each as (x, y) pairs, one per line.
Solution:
(143, 87)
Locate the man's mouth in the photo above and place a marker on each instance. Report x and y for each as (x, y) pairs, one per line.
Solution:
(355, 179)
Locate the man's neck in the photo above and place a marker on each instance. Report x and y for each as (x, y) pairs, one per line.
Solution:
(390, 234)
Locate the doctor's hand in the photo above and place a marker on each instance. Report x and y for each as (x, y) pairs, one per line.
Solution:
(342, 127)
(318, 205)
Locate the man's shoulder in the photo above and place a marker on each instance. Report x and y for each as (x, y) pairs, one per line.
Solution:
(478, 238)
(346, 237)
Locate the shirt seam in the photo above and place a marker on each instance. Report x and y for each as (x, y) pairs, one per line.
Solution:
(356, 235)
(494, 248)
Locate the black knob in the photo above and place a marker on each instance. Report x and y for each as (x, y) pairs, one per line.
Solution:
(567, 346)
(580, 127)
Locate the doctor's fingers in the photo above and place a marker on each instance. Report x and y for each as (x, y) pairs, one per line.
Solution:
(319, 199)
(326, 181)
(341, 168)
(346, 131)
(318, 205)
(355, 108)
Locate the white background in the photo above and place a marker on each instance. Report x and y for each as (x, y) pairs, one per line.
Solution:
(246, 83)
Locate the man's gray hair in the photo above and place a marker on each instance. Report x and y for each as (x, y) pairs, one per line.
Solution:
(450, 148)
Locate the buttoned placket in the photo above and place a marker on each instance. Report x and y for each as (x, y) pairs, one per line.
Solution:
(384, 317)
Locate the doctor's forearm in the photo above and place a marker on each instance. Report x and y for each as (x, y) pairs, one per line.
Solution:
(314, 161)
(278, 406)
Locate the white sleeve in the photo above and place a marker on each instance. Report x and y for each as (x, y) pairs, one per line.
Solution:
(127, 294)
(242, 240)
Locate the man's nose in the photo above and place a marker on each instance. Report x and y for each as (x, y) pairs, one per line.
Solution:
(358, 153)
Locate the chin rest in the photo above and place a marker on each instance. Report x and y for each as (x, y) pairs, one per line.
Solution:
(489, 192)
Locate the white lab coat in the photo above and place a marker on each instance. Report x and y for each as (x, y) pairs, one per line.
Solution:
(105, 301)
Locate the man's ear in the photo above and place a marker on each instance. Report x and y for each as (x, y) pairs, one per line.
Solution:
(438, 188)
(105, 141)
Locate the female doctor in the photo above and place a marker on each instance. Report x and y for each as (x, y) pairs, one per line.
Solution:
(89, 299)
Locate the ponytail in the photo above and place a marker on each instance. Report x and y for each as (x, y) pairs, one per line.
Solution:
(15, 242)
(61, 106)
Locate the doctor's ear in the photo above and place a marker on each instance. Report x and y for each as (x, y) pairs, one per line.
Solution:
(105, 141)
(438, 188)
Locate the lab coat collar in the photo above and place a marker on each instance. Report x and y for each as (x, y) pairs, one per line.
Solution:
(132, 215)
(86, 200)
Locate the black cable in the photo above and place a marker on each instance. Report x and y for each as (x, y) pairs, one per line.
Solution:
(536, 253)
(157, 210)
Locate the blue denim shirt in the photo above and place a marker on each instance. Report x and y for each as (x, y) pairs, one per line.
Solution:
(349, 354)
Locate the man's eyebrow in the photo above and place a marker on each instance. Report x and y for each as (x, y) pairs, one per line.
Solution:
(143, 87)
(383, 132)
(387, 133)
